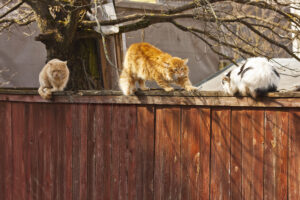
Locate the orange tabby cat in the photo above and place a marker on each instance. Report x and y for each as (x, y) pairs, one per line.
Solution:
(146, 62)
(53, 77)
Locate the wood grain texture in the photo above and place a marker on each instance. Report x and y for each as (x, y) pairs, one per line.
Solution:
(120, 151)
(123, 152)
(35, 127)
(18, 141)
(195, 153)
(252, 154)
(145, 152)
(93, 129)
(151, 92)
(167, 177)
(275, 155)
(79, 153)
(201, 99)
(68, 153)
(101, 119)
(47, 162)
(61, 150)
(236, 154)
(294, 155)
(220, 154)
(131, 153)
(6, 155)
(99, 151)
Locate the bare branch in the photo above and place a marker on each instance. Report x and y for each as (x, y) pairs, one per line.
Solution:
(15, 7)
(5, 4)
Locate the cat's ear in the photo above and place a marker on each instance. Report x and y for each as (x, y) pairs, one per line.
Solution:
(65, 62)
(185, 61)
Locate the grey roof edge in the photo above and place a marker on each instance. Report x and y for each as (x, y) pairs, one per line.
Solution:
(216, 74)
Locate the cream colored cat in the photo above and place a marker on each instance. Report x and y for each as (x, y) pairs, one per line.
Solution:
(53, 77)
(145, 62)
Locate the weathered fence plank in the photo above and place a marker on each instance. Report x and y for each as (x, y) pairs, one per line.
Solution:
(123, 152)
(275, 155)
(99, 152)
(145, 152)
(18, 142)
(220, 154)
(294, 155)
(102, 127)
(252, 154)
(79, 151)
(195, 153)
(6, 156)
(94, 151)
(34, 127)
(167, 178)
(67, 151)
(131, 151)
(236, 154)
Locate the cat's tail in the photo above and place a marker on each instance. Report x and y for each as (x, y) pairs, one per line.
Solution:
(44, 93)
(126, 83)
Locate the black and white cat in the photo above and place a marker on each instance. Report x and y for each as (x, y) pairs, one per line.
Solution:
(256, 76)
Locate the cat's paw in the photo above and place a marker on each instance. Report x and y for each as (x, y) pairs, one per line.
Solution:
(144, 88)
(191, 88)
(47, 95)
(169, 89)
(127, 93)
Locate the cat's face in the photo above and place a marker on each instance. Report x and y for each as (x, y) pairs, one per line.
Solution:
(226, 82)
(178, 67)
(58, 71)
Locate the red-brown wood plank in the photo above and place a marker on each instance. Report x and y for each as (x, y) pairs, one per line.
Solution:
(101, 119)
(67, 151)
(294, 155)
(18, 140)
(115, 158)
(93, 124)
(46, 177)
(220, 154)
(61, 154)
(123, 152)
(167, 175)
(252, 153)
(30, 149)
(35, 127)
(195, 153)
(275, 155)
(236, 154)
(131, 154)
(5, 151)
(99, 152)
(79, 154)
(145, 152)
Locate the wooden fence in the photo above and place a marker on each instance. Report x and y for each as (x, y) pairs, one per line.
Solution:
(90, 147)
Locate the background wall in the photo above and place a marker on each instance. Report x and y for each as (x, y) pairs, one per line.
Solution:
(21, 57)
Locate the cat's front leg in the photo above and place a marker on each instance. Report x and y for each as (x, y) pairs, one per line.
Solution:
(165, 85)
(54, 89)
(186, 84)
(142, 85)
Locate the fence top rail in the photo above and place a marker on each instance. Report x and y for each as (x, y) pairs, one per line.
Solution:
(154, 97)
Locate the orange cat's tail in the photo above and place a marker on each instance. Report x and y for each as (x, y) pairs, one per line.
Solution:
(126, 83)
